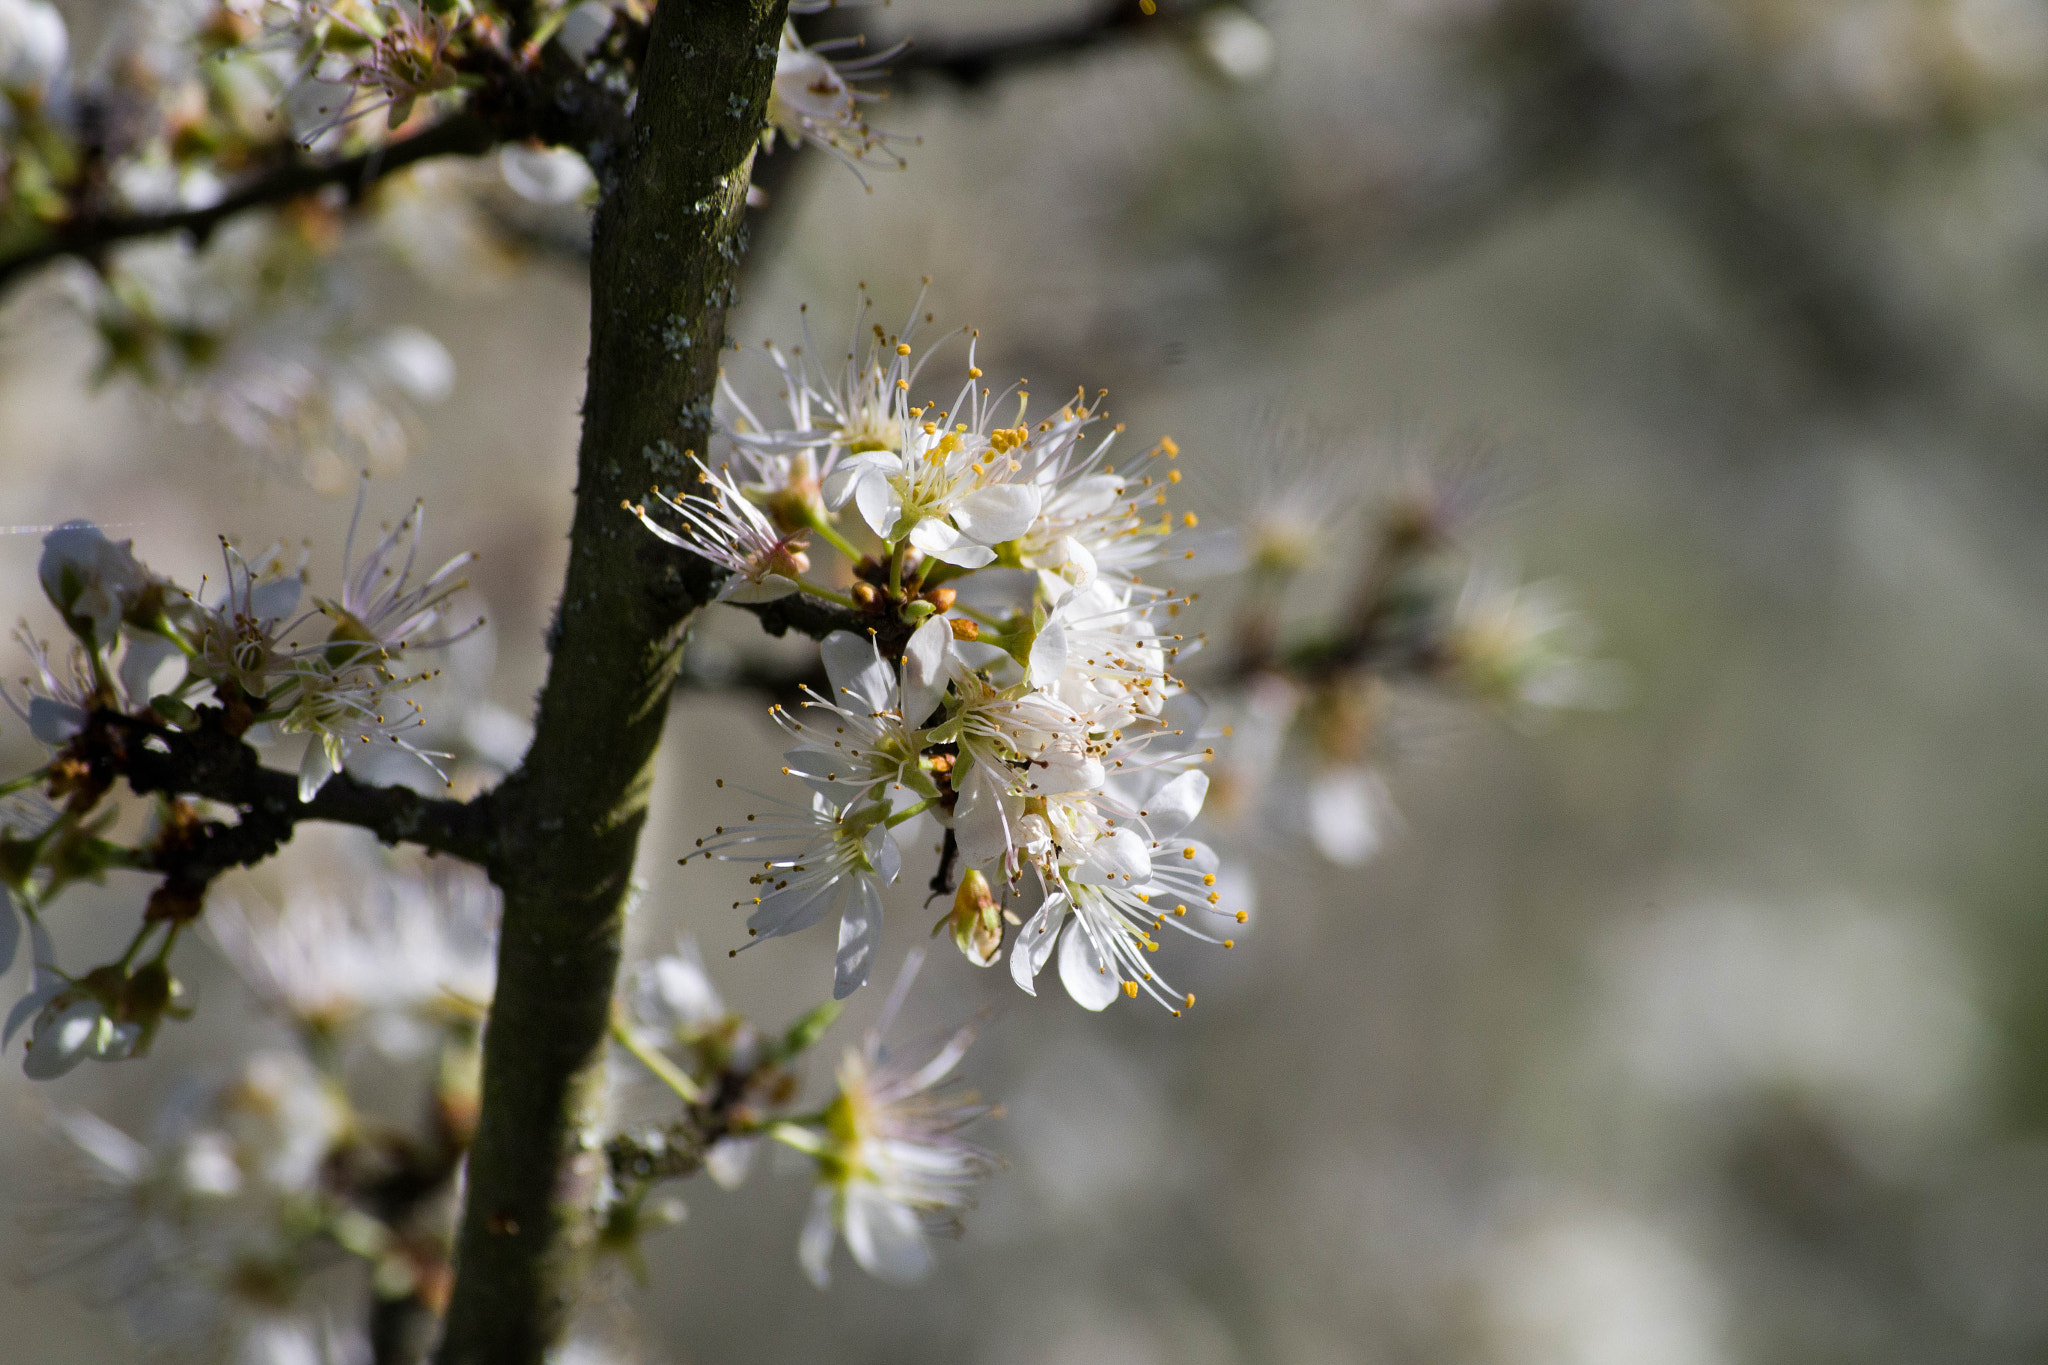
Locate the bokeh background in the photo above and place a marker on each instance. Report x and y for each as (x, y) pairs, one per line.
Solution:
(1707, 1029)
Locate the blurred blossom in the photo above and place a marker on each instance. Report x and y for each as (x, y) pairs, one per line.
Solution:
(545, 175)
(1869, 1013)
(1350, 813)
(815, 99)
(205, 1236)
(892, 1167)
(1235, 43)
(399, 953)
(429, 217)
(1523, 647)
(1598, 1288)
(34, 49)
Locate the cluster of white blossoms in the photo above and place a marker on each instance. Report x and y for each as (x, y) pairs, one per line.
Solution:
(335, 670)
(207, 1234)
(1022, 699)
(261, 660)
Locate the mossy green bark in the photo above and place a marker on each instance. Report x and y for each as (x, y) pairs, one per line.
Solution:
(668, 238)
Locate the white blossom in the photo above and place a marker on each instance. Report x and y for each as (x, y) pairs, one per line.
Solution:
(892, 1166)
(203, 1236)
(400, 951)
(816, 861)
(761, 563)
(34, 49)
(864, 744)
(91, 580)
(815, 99)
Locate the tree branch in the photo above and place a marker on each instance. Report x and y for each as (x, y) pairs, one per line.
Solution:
(972, 62)
(461, 134)
(551, 100)
(211, 762)
(665, 247)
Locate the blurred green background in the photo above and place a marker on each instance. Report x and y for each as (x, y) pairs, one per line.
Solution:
(1709, 1029)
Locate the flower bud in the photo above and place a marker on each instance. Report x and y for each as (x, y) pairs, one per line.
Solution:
(977, 921)
(90, 580)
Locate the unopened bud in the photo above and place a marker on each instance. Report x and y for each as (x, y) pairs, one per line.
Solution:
(977, 921)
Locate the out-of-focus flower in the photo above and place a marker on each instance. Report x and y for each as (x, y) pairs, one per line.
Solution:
(1522, 646)
(814, 99)
(1236, 45)
(892, 1166)
(545, 175)
(675, 1004)
(402, 951)
(34, 49)
(1598, 1288)
(91, 581)
(1350, 813)
(205, 1235)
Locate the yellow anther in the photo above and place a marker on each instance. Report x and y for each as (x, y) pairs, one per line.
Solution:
(902, 348)
(1230, 943)
(1188, 519)
(1169, 448)
(1180, 909)
(1243, 915)
(1188, 852)
(973, 372)
(1173, 476)
(1191, 999)
(1208, 879)
(1131, 989)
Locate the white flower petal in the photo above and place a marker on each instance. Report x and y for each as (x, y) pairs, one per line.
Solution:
(814, 1246)
(860, 933)
(1086, 976)
(1035, 942)
(856, 668)
(794, 908)
(881, 506)
(924, 669)
(1048, 655)
(885, 1236)
(1170, 809)
(994, 515)
(1118, 858)
(940, 541)
(742, 590)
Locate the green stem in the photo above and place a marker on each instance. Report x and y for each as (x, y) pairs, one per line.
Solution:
(824, 528)
(920, 808)
(665, 1071)
(25, 781)
(666, 241)
(836, 598)
(896, 568)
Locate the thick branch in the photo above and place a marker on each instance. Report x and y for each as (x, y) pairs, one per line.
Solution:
(666, 244)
